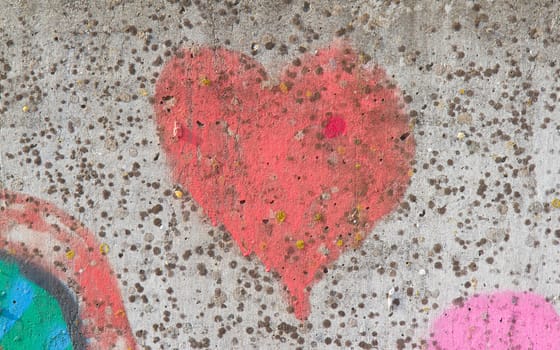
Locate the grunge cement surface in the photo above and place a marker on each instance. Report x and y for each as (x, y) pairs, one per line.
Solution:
(481, 214)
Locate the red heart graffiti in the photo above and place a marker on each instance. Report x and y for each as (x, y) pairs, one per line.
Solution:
(297, 170)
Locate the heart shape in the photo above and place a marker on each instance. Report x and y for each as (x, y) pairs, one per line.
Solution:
(298, 170)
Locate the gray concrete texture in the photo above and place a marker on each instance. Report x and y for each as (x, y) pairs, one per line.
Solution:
(481, 82)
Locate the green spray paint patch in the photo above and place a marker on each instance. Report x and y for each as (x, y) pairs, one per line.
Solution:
(30, 317)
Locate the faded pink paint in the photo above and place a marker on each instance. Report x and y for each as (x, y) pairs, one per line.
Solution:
(501, 321)
(31, 228)
(298, 170)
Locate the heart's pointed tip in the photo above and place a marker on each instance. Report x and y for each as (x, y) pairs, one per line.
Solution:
(302, 308)
(300, 303)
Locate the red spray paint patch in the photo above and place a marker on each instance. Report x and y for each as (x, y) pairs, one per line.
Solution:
(335, 127)
(42, 234)
(501, 321)
(298, 170)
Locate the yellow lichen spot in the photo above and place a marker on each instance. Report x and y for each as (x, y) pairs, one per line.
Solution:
(214, 164)
(474, 282)
(511, 145)
(308, 94)
(461, 91)
(283, 87)
(357, 165)
(204, 81)
(460, 135)
(412, 124)
(339, 243)
(25, 108)
(70, 254)
(104, 248)
(410, 172)
(318, 217)
(143, 92)
(120, 313)
(341, 150)
(300, 244)
(555, 203)
(178, 194)
(221, 180)
(362, 58)
(358, 237)
(280, 216)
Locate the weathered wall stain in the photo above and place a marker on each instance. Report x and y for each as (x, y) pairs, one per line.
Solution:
(298, 169)
(39, 234)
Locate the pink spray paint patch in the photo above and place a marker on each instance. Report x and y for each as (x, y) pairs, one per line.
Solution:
(41, 234)
(298, 170)
(501, 321)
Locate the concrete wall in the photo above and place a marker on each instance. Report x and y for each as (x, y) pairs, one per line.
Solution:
(127, 224)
